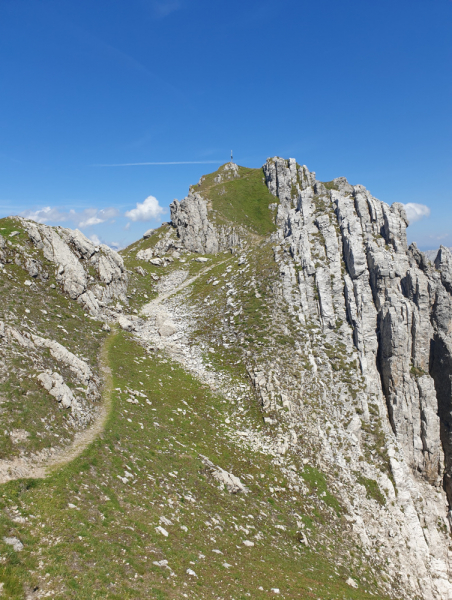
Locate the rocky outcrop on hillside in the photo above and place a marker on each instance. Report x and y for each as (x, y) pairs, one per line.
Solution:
(194, 229)
(44, 269)
(355, 262)
(88, 273)
(358, 278)
(345, 267)
(81, 405)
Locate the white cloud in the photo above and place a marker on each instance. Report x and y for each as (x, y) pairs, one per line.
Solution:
(98, 241)
(116, 246)
(416, 212)
(46, 214)
(93, 216)
(95, 239)
(440, 237)
(146, 211)
(84, 218)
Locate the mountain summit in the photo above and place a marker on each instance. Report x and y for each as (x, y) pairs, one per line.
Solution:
(253, 399)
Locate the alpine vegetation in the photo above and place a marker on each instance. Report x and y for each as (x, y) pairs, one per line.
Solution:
(253, 399)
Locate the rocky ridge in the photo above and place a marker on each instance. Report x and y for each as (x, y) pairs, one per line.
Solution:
(53, 267)
(345, 269)
(329, 321)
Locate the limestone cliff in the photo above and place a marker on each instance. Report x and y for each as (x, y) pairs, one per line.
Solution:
(345, 267)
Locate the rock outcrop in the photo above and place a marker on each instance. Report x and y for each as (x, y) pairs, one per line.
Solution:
(196, 232)
(87, 272)
(355, 263)
(224, 478)
(345, 267)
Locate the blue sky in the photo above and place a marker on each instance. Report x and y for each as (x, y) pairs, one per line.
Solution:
(354, 88)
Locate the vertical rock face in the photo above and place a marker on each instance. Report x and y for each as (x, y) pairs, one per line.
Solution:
(357, 276)
(194, 229)
(355, 262)
(441, 356)
(196, 232)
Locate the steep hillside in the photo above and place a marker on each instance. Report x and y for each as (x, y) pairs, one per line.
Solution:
(276, 370)
(54, 285)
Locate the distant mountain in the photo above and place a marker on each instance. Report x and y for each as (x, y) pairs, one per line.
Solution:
(431, 254)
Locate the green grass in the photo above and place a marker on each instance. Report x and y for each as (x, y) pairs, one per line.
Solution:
(372, 489)
(243, 201)
(318, 483)
(330, 185)
(106, 546)
(10, 224)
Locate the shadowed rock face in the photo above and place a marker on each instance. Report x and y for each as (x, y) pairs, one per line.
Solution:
(398, 304)
(388, 293)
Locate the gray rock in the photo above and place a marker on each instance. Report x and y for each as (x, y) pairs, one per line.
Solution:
(125, 324)
(167, 328)
(386, 292)
(33, 267)
(158, 262)
(228, 480)
(227, 172)
(145, 254)
(56, 387)
(78, 366)
(14, 541)
(73, 254)
(196, 232)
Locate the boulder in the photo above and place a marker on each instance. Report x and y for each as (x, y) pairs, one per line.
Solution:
(125, 324)
(167, 329)
(56, 387)
(228, 480)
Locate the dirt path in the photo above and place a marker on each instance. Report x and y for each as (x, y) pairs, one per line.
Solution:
(147, 308)
(84, 438)
(42, 465)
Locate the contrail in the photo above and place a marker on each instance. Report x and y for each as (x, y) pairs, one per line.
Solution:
(182, 162)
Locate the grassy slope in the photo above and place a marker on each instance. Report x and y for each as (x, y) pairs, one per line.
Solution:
(243, 201)
(105, 546)
(24, 403)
